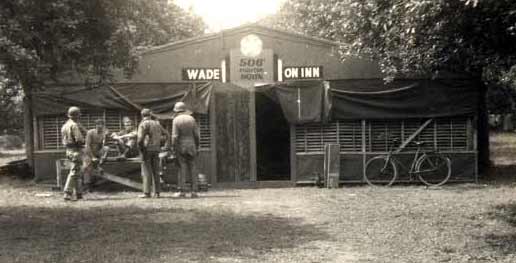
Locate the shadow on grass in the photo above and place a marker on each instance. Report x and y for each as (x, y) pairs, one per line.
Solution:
(501, 173)
(133, 234)
(505, 240)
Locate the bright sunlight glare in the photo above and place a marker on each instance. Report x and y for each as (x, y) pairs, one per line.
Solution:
(223, 14)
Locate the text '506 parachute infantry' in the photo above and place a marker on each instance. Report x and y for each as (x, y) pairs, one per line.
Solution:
(86, 151)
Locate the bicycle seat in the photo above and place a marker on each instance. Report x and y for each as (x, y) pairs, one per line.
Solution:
(418, 143)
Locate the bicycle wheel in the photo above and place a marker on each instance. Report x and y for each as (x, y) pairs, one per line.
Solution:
(433, 169)
(380, 171)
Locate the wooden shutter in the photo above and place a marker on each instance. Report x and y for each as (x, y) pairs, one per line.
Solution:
(380, 134)
(50, 126)
(204, 125)
(350, 136)
(311, 138)
(444, 134)
(50, 132)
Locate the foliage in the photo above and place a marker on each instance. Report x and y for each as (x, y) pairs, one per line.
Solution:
(406, 36)
(11, 111)
(45, 40)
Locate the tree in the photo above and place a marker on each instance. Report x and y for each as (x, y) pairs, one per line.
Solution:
(11, 110)
(40, 40)
(474, 37)
(50, 41)
(408, 36)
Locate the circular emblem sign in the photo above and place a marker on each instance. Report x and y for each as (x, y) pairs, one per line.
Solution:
(251, 45)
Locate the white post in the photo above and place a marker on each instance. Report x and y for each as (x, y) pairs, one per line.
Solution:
(280, 70)
(223, 70)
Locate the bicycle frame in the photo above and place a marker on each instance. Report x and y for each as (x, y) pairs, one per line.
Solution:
(425, 165)
(412, 170)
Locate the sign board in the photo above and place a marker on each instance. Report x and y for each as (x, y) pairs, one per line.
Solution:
(302, 72)
(249, 70)
(192, 74)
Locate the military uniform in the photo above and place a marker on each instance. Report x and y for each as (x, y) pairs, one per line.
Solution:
(185, 141)
(150, 134)
(94, 152)
(127, 144)
(73, 139)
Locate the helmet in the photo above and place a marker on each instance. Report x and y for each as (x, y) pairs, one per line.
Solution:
(74, 111)
(180, 107)
(146, 112)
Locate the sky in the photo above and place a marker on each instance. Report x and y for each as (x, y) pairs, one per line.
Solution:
(223, 14)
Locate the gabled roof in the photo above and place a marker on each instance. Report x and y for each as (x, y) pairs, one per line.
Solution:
(252, 27)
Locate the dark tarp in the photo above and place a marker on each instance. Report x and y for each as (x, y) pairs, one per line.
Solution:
(301, 101)
(373, 99)
(56, 100)
(159, 97)
(313, 101)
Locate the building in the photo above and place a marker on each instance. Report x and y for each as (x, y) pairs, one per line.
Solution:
(267, 103)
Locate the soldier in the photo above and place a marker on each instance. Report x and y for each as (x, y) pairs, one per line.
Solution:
(95, 152)
(73, 139)
(126, 140)
(185, 142)
(150, 135)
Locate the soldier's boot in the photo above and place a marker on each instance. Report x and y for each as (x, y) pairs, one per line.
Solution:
(179, 194)
(145, 195)
(68, 196)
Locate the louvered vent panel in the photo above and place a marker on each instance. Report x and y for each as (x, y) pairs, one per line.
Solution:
(329, 133)
(350, 136)
(88, 118)
(50, 126)
(51, 132)
(204, 126)
(444, 135)
(459, 134)
(113, 121)
(311, 138)
(410, 126)
(300, 139)
(314, 138)
(381, 133)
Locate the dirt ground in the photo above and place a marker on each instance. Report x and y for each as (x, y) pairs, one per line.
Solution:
(454, 223)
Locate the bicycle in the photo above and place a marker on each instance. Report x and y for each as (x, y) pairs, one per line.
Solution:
(431, 167)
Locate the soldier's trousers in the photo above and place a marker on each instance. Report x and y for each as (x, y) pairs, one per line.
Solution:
(89, 166)
(150, 172)
(187, 164)
(72, 181)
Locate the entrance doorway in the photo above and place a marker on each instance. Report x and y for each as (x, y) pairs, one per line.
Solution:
(272, 140)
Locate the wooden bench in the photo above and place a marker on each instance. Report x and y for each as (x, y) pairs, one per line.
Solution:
(63, 167)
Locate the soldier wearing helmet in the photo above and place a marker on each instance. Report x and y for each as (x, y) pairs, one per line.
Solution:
(185, 142)
(73, 133)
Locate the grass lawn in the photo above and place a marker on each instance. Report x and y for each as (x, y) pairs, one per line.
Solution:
(455, 223)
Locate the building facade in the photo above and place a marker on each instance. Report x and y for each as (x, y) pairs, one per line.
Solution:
(246, 137)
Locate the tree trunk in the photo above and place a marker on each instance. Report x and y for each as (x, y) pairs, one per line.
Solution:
(483, 131)
(28, 127)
